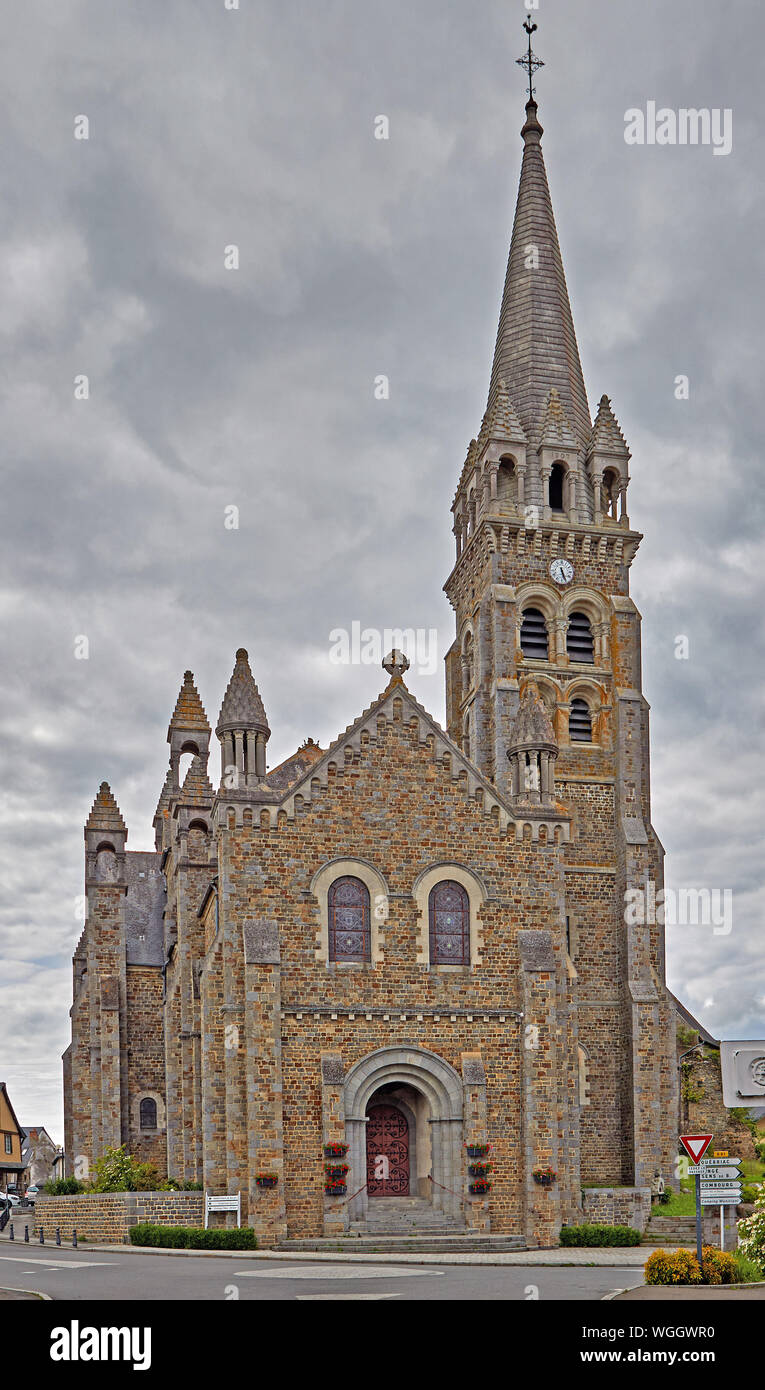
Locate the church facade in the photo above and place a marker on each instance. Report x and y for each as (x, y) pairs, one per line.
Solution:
(394, 981)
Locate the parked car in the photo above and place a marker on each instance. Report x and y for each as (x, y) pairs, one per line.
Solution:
(10, 1199)
(31, 1193)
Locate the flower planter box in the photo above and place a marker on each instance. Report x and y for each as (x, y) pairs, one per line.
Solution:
(479, 1170)
(336, 1190)
(336, 1170)
(477, 1150)
(335, 1150)
(266, 1182)
(479, 1188)
(544, 1179)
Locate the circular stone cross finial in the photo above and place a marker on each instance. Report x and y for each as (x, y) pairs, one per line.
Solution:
(242, 654)
(396, 663)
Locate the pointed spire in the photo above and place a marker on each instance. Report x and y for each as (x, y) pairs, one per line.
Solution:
(189, 711)
(242, 706)
(536, 345)
(555, 431)
(607, 437)
(500, 421)
(197, 789)
(165, 796)
(105, 813)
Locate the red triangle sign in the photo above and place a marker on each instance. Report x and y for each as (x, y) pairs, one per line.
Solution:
(696, 1145)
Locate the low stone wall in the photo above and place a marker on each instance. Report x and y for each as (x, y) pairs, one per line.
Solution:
(617, 1206)
(106, 1217)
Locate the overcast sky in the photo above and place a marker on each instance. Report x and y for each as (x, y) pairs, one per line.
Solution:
(212, 388)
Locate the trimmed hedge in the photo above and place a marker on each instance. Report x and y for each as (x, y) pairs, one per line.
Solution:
(192, 1237)
(599, 1235)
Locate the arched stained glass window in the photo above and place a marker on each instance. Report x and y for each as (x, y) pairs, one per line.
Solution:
(449, 924)
(349, 934)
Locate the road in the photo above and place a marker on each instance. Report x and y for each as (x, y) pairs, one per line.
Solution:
(103, 1275)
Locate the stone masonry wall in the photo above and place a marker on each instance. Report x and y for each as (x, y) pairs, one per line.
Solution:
(107, 1216)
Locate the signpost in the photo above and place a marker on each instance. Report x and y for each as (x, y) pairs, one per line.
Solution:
(696, 1146)
(718, 1181)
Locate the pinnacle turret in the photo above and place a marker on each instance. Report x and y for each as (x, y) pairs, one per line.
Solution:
(243, 727)
(105, 814)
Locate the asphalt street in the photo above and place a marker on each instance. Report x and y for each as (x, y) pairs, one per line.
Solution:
(66, 1274)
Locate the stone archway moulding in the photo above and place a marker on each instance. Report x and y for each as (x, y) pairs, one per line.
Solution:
(442, 1087)
(378, 902)
(477, 896)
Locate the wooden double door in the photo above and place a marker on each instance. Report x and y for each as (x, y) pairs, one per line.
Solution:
(387, 1152)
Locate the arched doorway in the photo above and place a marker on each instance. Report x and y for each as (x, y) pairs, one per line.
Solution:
(425, 1093)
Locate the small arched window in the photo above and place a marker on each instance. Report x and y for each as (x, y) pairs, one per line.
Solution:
(449, 910)
(349, 933)
(579, 640)
(580, 722)
(610, 494)
(148, 1113)
(534, 634)
(506, 489)
(557, 481)
(466, 736)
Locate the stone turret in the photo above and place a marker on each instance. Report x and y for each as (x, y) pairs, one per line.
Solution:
(533, 750)
(242, 728)
(188, 730)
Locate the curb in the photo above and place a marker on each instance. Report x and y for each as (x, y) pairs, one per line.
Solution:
(33, 1293)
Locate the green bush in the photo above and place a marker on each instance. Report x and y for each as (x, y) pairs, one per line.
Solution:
(599, 1235)
(63, 1187)
(192, 1237)
(119, 1171)
(749, 1193)
(672, 1267)
(746, 1271)
(175, 1185)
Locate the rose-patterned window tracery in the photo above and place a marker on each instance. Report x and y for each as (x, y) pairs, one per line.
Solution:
(349, 934)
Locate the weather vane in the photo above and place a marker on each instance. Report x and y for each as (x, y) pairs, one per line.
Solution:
(530, 60)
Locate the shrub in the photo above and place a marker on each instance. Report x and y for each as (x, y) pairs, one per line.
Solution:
(751, 1233)
(749, 1193)
(63, 1187)
(718, 1267)
(746, 1271)
(118, 1171)
(175, 1185)
(672, 1267)
(192, 1237)
(599, 1235)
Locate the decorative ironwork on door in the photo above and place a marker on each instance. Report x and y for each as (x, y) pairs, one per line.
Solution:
(387, 1152)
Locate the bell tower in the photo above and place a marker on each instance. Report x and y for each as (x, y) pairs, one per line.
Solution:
(543, 682)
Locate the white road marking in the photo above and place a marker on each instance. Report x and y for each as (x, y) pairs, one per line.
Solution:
(338, 1272)
(316, 1297)
(58, 1264)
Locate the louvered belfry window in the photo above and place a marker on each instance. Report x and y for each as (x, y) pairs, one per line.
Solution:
(534, 634)
(349, 934)
(579, 640)
(449, 924)
(580, 722)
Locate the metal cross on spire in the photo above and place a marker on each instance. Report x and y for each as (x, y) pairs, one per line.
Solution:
(530, 60)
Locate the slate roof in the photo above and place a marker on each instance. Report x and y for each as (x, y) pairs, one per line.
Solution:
(293, 767)
(536, 344)
(144, 906)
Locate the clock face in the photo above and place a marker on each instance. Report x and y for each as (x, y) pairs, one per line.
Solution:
(562, 571)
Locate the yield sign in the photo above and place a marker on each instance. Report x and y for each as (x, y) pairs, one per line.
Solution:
(696, 1144)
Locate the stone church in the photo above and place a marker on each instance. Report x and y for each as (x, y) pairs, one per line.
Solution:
(413, 946)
